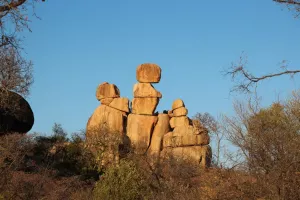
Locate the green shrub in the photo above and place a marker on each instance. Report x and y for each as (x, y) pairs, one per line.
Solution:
(123, 182)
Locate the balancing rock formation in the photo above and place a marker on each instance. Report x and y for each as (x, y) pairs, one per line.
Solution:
(141, 121)
(159, 135)
(112, 113)
(189, 139)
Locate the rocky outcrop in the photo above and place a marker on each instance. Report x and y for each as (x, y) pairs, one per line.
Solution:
(111, 115)
(15, 114)
(189, 139)
(159, 136)
(142, 122)
(108, 124)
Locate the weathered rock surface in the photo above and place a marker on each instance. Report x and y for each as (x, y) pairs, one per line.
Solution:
(121, 104)
(170, 140)
(144, 106)
(106, 117)
(179, 121)
(15, 115)
(159, 136)
(142, 90)
(182, 111)
(178, 103)
(196, 154)
(139, 130)
(106, 90)
(148, 73)
(161, 128)
(186, 130)
(106, 101)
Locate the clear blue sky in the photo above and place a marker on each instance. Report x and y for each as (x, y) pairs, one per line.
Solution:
(79, 44)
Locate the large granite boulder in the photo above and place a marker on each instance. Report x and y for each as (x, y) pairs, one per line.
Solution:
(108, 118)
(139, 131)
(161, 128)
(148, 73)
(106, 90)
(144, 106)
(15, 113)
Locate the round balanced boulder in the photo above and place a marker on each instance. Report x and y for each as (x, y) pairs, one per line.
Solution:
(16, 115)
(107, 90)
(148, 73)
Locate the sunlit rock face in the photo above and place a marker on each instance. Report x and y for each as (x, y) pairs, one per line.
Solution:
(157, 135)
(16, 115)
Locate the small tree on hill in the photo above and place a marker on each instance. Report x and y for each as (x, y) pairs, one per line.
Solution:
(269, 140)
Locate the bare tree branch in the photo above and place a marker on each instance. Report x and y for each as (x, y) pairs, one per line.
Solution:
(293, 5)
(11, 5)
(291, 2)
(245, 80)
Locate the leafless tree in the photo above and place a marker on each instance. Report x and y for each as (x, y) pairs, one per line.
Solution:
(213, 127)
(14, 18)
(15, 70)
(15, 75)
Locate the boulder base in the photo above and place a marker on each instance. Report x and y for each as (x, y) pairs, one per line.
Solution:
(201, 155)
(139, 130)
(106, 117)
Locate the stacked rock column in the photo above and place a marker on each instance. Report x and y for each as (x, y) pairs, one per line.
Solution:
(158, 135)
(142, 120)
(108, 121)
(189, 139)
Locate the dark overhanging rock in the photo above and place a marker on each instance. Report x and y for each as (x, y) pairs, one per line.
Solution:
(16, 115)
